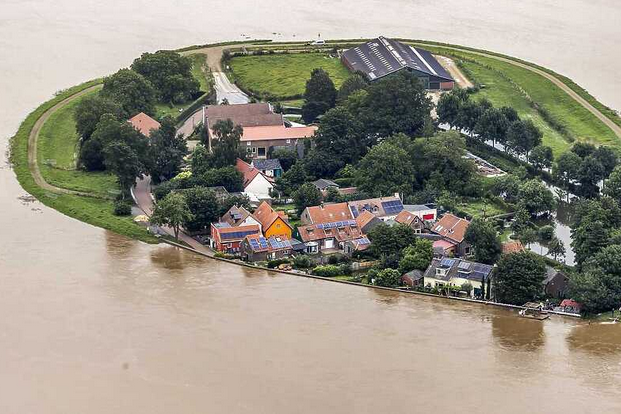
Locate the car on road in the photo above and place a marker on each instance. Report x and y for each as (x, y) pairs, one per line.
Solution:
(317, 43)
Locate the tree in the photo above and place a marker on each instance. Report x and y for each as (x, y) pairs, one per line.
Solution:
(536, 197)
(523, 136)
(541, 157)
(172, 211)
(492, 125)
(201, 160)
(583, 149)
(388, 278)
(341, 135)
(225, 147)
(484, 240)
(91, 156)
(595, 222)
(507, 187)
(510, 113)
(286, 156)
(556, 248)
(528, 236)
(306, 196)
(292, 179)
(167, 151)
(518, 278)
(322, 164)
(88, 112)
(470, 112)
(204, 207)
(590, 173)
(227, 177)
(319, 96)
(170, 73)
(352, 84)
(416, 256)
(390, 241)
(612, 186)
(386, 169)
(239, 200)
(124, 162)
(607, 157)
(448, 108)
(566, 169)
(131, 91)
(397, 104)
(598, 288)
(521, 220)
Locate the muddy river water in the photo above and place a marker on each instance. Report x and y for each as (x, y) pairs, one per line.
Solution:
(91, 322)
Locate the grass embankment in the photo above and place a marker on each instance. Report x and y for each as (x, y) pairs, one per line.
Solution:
(283, 76)
(95, 211)
(200, 72)
(561, 119)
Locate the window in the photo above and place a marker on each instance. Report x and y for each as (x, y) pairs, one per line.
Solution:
(261, 152)
(288, 141)
(254, 150)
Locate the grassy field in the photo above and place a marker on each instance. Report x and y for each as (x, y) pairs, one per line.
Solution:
(283, 76)
(506, 84)
(95, 211)
(481, 208)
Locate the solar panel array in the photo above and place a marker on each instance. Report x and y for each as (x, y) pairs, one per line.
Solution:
(237, 234)
(276, 243)
(258, 243)
(480, 271)
(354, 211)
(363, 241)
(336, 224)
(463, 265)
(447, 262)
(392, 207)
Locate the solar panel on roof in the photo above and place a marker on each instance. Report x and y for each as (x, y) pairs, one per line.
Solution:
(354, 211)
(392, 207)
(463, 265)
(364, 240)
(447, 262)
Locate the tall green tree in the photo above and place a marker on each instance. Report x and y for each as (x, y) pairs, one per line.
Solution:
(607, 157)
(541, 157)
(167, 151)
(483, 237)
(416, 256)
(518, 278)
(391, 240)
(170, 73)
(388, 278)
(341, 135)
(492, 125)
(397, 104)
(590, 173)
(172, 211)
(88, 112)
(319, 96)
(131, 91)
(556, 248)
(352, 84)
(612, 186)
(306, 196)
(598, 288)
(385, 169)
(448, 108)
(204, 207)
(226, 147)
(523, 136)
(124, 163)
(536, 197)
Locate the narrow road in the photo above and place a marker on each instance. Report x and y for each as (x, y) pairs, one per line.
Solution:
(142, 196)
(33, 139)
(607, 121)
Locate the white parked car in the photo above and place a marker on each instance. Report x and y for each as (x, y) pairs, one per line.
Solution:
(317, 43)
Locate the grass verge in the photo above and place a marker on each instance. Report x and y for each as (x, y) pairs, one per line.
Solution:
(95, 211)
(283, 76)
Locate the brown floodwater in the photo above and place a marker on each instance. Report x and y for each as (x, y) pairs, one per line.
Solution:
(93, 322)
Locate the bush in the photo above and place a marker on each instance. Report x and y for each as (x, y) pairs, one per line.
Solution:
(327, 271)
(122, 208)
(337, 258)
(276, 262)
(164, 189)
(388, 278)
(222, 255)
(546, 232)
(302, 262)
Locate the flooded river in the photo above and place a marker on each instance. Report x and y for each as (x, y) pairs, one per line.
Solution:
(91, 322)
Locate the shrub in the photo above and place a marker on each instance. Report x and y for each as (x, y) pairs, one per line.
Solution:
(122, 208)
(276, 262)
(302, 262)
(164, 189)
(222, 255)
(388, 278)
(327, 270)
(337, 258)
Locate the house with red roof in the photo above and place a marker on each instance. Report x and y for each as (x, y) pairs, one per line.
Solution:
(227, 239)
(452, 230)
(144, 124)
(274, 223)
(255, 182)
(257, 248)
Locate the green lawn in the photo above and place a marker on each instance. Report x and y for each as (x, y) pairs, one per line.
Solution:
(510, 85)
(283, 76)
(95, 211)
(481, 208)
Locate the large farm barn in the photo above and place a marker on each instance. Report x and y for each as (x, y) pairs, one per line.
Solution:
(381, 57)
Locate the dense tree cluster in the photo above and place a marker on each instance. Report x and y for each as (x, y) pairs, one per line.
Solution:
(518, 278)
(484, 239)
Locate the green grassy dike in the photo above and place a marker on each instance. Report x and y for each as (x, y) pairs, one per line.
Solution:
(95, 211)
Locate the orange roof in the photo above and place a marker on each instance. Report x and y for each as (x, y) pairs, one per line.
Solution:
(329, 213)
(144, 124)
(364, 218)
(249, 172)
(451, 227)
(342, 234)
(266, 215)
(405, 217)
(512, 247)
(260, 133)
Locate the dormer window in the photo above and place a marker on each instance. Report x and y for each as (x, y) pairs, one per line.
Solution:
(441, 271)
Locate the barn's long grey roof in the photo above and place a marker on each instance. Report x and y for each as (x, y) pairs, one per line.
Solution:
(380, 57)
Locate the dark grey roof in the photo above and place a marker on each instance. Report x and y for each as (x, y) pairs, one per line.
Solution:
(267, 165)
(550, 274)
(323, 183)
(412, 208)
(415, 274)
(459, 268)
(380, 57)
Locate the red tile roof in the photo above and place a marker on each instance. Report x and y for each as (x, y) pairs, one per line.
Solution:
(144, 124)
(364, 218)
(277, 132)
(245, 115)
(451, 227)
(512, 247)
(313, 233)
(405, 217)
(249, 172)
(266, 215)
(329, 213)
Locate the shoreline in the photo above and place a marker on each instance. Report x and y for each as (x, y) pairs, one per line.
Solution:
(23, 159)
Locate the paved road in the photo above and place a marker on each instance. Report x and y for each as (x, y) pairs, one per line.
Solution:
(227, 90)
(142, 196)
